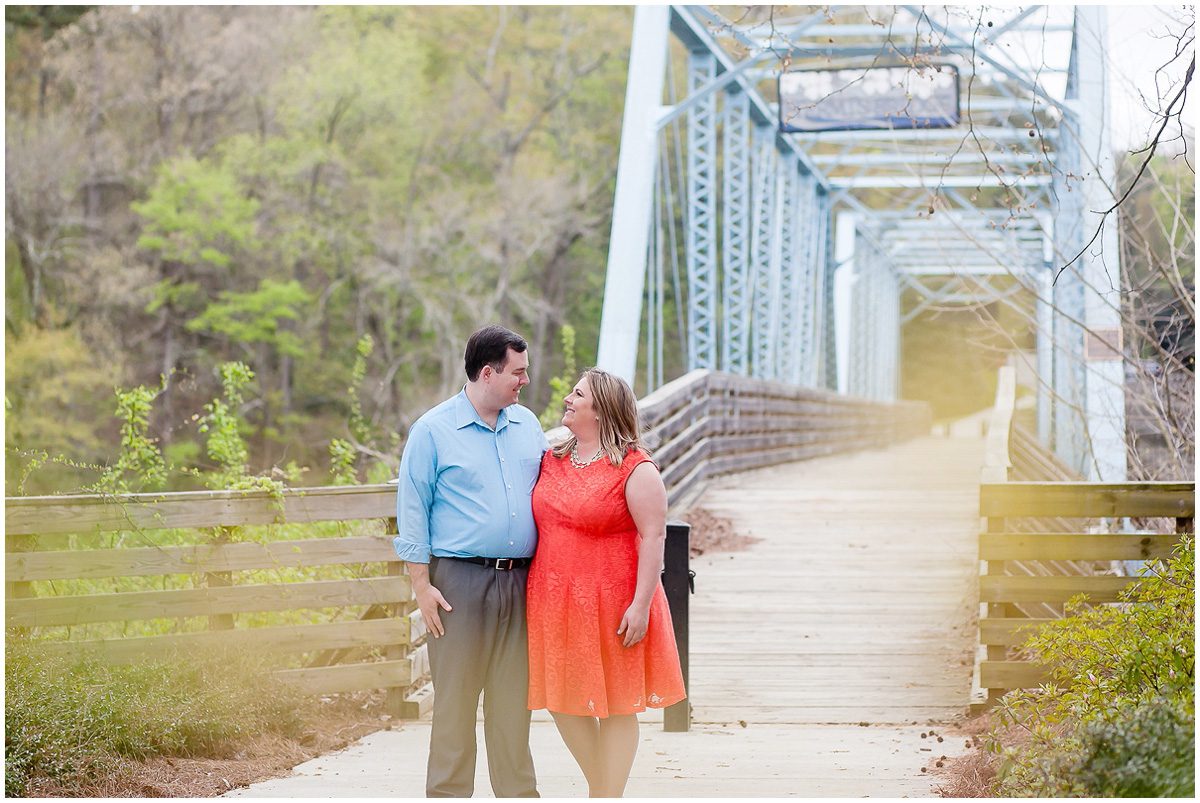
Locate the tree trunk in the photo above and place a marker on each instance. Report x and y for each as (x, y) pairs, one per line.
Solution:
(285, 382)
(169, 356)
(91, 209)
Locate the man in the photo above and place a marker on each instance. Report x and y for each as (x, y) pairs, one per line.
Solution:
(467, 533)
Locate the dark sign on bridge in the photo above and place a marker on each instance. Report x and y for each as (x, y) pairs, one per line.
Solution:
(859, 99)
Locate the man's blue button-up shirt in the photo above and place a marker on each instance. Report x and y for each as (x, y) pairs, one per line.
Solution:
(464, 487)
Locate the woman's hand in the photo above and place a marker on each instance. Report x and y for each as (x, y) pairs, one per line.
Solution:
(634, 623)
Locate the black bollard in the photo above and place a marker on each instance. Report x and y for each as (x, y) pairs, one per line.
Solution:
(677, 584)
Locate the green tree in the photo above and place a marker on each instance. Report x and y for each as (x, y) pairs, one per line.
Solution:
(257, 316)
(54, 403)
(195, 220)
(190, 182)
(195, 215)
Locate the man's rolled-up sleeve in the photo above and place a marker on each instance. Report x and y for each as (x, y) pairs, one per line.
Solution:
(414, 495)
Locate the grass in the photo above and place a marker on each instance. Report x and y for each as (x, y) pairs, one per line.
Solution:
(70, 721)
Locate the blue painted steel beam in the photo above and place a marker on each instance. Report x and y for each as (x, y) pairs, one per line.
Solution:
(790, 268)
(957, 40)
(701, 253)
(764, 275)
(735, 318)
(697, 38)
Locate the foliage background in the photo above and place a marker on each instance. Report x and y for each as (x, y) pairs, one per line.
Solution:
(190, 186)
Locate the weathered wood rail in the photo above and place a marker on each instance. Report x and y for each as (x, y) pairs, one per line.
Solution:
(53, 539)
(1048, 538)
(706, 424)
(702, 425)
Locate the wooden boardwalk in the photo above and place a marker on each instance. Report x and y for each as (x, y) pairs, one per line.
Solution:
(819, 656)
(858, 604)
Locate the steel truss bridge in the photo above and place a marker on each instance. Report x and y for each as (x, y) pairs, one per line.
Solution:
(784, 256)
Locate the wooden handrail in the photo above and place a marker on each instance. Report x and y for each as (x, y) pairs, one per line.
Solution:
(54, 515)
(1087, 499)
(699, 426)
(1038, 571)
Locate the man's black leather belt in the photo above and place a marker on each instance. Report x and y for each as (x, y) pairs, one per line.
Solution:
(499, 564)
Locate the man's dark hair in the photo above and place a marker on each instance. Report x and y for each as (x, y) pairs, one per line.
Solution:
(489, 346)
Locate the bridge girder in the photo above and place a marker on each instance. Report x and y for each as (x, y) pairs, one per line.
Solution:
(1007, 194)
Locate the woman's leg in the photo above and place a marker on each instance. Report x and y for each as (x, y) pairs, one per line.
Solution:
(582, 735)
(618, 739)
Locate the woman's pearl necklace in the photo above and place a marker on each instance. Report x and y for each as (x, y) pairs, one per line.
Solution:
(575, 461)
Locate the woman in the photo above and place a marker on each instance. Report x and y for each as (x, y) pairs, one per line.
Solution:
(601, 643)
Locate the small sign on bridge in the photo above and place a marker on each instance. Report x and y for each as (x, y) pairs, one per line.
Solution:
(870, 98)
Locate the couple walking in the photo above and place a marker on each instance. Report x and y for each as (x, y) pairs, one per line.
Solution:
(537, 573)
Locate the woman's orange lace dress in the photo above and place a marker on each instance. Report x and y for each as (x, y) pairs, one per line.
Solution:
(582, 579)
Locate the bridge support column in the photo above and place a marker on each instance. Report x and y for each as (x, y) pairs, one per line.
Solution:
(762, 343)
(789, 267)
(621, 315)
(813, 338)
(737, 214)
(1045, 354)
(701, 221)
(843, 290)
(1101, 263)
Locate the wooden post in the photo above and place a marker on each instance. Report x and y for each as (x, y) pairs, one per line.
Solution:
(997, 468)
(394, 702)
(1185, 524)
(996, 610)
(220, 621)
(19, 589)
(677, 583)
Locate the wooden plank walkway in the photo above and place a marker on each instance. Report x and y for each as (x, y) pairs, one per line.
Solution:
(820, 656)
(858, 605)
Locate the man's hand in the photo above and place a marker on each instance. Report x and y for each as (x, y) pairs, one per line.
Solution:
(429, 599)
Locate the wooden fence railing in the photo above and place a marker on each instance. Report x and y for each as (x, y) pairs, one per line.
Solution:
(1047, 541)
(174, 561)
(706, 424)
(72, 538)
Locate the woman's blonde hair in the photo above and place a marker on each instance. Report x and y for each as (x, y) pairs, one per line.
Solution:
(615, 404)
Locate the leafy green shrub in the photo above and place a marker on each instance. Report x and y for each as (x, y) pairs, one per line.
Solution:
(1120, 701)
(562, 384)
(1147, 751)
(140, 464)
(343, 453)
(71, 718)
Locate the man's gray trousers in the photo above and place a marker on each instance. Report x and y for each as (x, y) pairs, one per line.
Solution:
(484, 649)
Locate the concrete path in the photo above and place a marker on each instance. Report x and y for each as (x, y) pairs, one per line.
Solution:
(709, 761)
(839, 640)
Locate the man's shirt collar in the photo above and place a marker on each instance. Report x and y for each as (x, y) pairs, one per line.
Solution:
(465, 414)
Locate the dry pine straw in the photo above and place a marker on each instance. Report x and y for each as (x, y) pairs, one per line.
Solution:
(972, 773)
(343, 721)
(712, 533)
